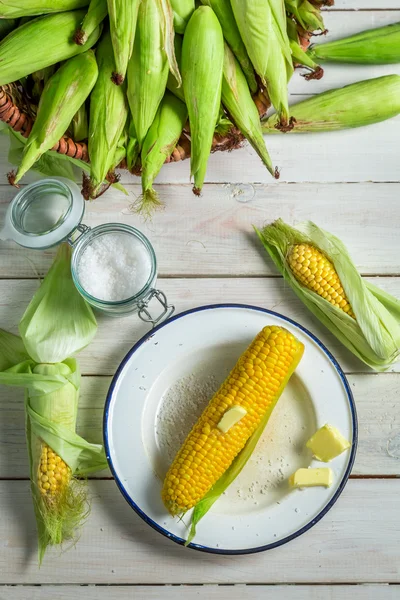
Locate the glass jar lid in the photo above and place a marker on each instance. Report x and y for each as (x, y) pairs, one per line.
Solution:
(43, 214)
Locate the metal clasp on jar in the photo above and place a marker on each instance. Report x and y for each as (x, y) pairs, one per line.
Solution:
(144, 313)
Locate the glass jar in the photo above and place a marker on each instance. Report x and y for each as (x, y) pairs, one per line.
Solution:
(48, 212)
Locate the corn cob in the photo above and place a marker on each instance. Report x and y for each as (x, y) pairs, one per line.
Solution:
(237, 100)
(255, 384)
(108, 115)
(223, 10)
(79, 125)
(313, 270)
(262, 25)
(63, 95)
(299, 56)
(159, 144)
(6, 26)
(355, 105)
(182, 10)
(379, 46)
(307, 14)
(95, 15)
(147, 69)
(40, 43)
(123, 17)
(29, 8)
(202, 69)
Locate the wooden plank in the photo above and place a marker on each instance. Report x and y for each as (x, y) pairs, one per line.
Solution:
(358, 541)
(115, 336)
(215, 236)
(208, 592)
(377, 406)
(365, 5)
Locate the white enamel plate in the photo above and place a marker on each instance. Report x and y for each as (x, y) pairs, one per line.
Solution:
(161, 388)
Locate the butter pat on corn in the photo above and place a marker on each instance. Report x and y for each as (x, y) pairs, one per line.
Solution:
(311, 478)
(231, 417)
(327, 443)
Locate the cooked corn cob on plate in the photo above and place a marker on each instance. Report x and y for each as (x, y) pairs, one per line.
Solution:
(207, 423)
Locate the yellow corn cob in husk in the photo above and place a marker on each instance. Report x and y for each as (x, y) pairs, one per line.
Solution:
(108, 115)
(202, 69)
(41, 43)
(182, 10)
(262, 25)
(123, 17)
(30, 8)
(95, 15)
(63, 95)
(148, 69)
(238, 102)
(255, 384)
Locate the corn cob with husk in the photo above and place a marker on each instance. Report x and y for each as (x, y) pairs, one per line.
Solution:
(63, 95)
(202, 69)
(354, 105)
(57, 323)
(182, 11)
(29, 8)
(318, 267)
(254, 385)
(79, 127)
(307, 14)
(158, 146)
(223, 10)
(262, 25)
(299, 56)
(95, 15)
(379, 46)
(147, 70)
(41, 43)
(238, 102)
(123, 18)
(108, 115)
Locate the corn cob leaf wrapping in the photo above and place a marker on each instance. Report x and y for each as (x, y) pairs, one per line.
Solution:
(41, 43)
(237, 100)
(299, 56)
(123, 17)
(147, 69)
(307, 14)
(202, 69)
(108, 115)
(63, 95)
(29, 8)
(262, 25)
(379, 46)
(168, 35)
(371, 327)
(57, 321)
(182, 10)
(79, 125)
(95, 15)
(172, 84)
(354, 105)
(223, 10)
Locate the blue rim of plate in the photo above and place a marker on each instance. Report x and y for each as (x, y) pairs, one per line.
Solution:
(201, 548)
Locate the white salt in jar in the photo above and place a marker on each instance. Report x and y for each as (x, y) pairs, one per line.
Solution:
(114, 266)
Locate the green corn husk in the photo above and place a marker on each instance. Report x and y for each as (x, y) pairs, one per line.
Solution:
(202, 69)
(354, 105)
(108, 115)
(158, 145)
(172, 84)
(147, 69)
(123, 18)
(262, 25)
(307, 14)
(79, 125)
(30, 8)
(224, 12)
(63, 95)
(299, 56)
(6, 26)
(182, 10)
(238, 102)
(374, 336)
(132, 148)
(57, 323)
(379, 46)
(41, 43)
(120, 151)
(95, 15)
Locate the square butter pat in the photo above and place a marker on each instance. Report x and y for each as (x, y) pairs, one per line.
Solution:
(327, 443)
(311, 478)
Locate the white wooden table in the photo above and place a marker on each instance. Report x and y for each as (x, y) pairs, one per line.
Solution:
(349, 183)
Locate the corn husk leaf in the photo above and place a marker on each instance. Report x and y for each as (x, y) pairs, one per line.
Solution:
(123, 16)
(299, 56)
(182, 11)
(306, 14)
(172, 84)
(168, 33)
(79, 125)
(29, 8)
(374, 336)
(95, 15)
(12, 350)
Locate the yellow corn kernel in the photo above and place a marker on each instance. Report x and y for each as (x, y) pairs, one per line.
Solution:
(54, 475)
(313, 270)
(210, 459)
